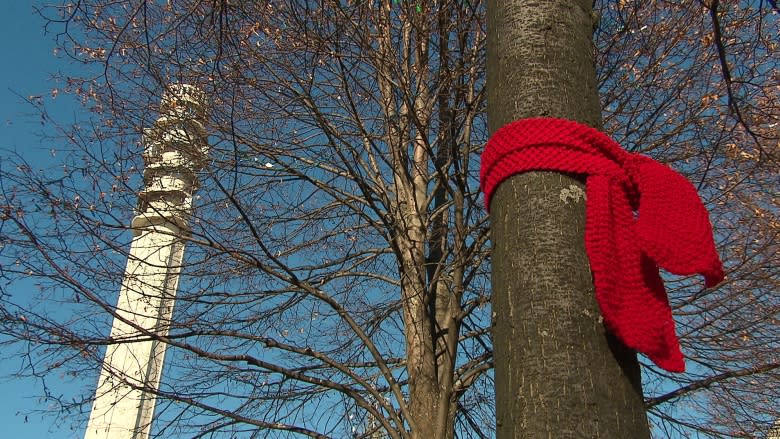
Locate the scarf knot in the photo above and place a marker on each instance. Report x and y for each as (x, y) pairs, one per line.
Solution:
(640, 215)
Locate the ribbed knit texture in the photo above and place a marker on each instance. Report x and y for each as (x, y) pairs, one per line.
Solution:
(671, 228)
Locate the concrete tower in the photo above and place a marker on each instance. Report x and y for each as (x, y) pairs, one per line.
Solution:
(774, 432)
(174, 148)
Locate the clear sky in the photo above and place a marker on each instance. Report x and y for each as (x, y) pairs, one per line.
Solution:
(28, 61)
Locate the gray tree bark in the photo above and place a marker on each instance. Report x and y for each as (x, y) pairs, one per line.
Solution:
(558, 373)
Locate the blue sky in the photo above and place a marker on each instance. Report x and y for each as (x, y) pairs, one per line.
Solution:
(29, 61)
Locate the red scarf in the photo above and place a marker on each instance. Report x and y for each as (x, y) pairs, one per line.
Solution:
(672, 228)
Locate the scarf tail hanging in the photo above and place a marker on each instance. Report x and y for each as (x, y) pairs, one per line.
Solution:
(672, 229)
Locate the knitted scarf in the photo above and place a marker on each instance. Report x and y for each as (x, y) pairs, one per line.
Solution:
(670, 228)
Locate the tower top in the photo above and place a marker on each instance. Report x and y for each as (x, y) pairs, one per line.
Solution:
(178, 137)
(175, 148)
(183, 100)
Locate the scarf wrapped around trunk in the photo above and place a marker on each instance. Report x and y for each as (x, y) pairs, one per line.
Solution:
(640, 215)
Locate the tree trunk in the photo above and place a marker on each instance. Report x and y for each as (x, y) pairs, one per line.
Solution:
(558, 373)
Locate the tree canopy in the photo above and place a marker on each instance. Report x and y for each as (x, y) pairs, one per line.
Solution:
(336, 280)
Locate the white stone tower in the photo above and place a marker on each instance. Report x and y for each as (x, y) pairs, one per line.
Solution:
(174, 148)
(774, 432)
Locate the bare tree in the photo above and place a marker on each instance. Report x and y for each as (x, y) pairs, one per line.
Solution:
(339, 206)
(336, 281)
(689, 83)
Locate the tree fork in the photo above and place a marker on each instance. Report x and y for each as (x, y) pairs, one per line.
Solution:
(557, 372)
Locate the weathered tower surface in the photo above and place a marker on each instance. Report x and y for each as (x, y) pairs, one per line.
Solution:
(174, 149)
(774, 432)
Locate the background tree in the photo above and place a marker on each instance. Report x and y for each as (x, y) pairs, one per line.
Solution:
(336, 280)
(692, 84)
(338, 207)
